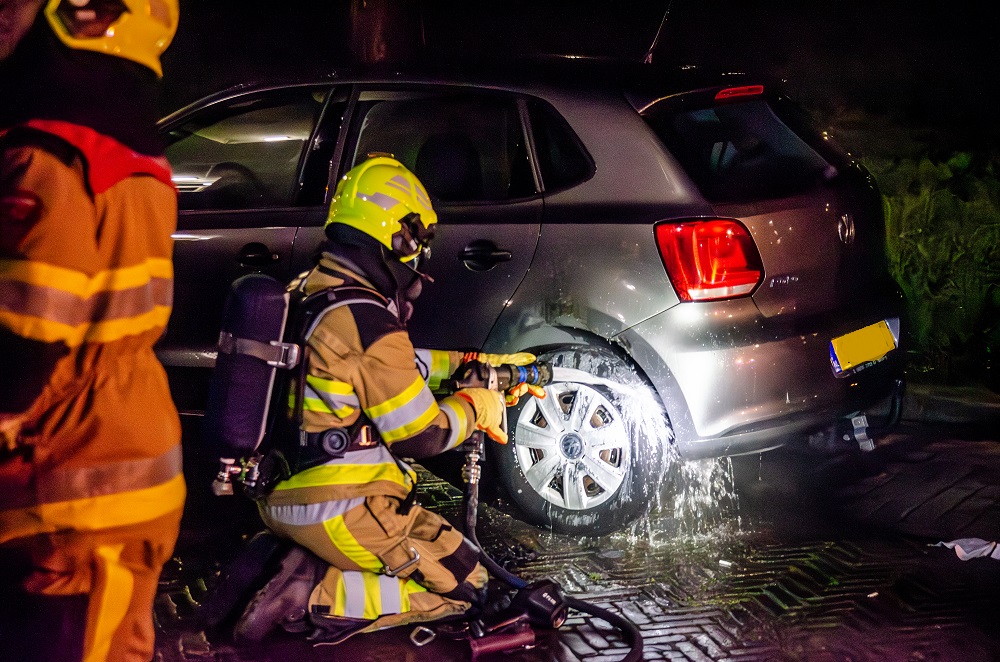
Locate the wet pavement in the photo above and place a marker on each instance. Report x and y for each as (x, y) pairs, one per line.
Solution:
(797, 554)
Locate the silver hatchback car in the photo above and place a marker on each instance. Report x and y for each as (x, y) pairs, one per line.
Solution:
(707, 267)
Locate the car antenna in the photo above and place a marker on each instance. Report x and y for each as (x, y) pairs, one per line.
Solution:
(659, 31)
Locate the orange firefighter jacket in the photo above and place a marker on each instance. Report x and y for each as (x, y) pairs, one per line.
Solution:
(361, 360)
(89, 435)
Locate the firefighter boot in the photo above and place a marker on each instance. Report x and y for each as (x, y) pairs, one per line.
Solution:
(284, 599)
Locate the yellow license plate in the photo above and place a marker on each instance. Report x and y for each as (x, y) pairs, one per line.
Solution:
(862, 346)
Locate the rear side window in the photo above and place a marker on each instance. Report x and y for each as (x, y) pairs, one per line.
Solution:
(464, 147)
(244, 153)
(562, 160)
(740, 151)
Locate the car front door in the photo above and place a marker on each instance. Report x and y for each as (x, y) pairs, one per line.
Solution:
(469, 148)
(239, 167)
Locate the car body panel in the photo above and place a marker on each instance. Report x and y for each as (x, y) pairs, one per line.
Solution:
(206, 261)
(458, 309)
(730, 393)
(736, 376)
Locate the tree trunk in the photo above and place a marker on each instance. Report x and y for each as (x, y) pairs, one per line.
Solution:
(385, 31)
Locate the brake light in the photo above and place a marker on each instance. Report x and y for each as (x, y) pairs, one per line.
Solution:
(709, 259)
(743, 91)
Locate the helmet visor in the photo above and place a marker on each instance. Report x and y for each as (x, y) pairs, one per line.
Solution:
(89, 19)
(413, 238)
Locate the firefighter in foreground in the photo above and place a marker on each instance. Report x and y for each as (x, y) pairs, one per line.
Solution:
(91, 489)
(375, 558)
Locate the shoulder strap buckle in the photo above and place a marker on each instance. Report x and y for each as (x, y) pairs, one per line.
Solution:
(274, 353)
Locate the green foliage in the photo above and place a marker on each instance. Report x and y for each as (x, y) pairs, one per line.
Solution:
(943, 243)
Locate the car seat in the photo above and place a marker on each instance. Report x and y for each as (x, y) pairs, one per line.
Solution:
(448, 165)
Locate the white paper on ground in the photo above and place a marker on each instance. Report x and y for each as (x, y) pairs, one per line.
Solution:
(971, 548)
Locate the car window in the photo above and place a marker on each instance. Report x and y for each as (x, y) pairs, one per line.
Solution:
(561, 157)
(244, 153)
(739, 151)
(464, 147)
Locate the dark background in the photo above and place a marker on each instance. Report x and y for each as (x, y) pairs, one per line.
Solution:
(900, 70)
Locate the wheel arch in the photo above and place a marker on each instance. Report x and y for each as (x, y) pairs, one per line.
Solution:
(628, 347)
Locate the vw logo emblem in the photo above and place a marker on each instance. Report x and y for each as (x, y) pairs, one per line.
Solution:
(572, 446)
(845, 229)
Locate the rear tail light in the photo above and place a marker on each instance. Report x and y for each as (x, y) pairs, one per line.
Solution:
(736, 92)
(709, 259)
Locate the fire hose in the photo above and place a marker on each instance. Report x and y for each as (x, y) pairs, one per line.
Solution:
(543, 602)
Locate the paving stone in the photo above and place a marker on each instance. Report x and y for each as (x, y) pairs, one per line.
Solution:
(663, 639)
(692, 652)
(593, 637)
(835, 572)
(577, 644)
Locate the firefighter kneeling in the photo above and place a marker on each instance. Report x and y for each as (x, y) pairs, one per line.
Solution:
(371, 558)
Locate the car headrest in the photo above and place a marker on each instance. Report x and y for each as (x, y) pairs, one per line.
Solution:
(448, 165)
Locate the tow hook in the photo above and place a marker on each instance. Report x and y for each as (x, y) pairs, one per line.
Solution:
(860, 434)
(865, 433)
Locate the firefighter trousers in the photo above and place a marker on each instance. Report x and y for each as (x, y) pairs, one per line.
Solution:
(433, 568)
(83, 595)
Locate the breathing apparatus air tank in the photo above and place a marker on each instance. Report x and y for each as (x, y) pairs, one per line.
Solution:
(250, 352)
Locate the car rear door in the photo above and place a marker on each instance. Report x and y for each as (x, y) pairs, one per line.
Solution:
(470, 150)
(239, 165)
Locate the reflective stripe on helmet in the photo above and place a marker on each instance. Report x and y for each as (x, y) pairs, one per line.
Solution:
(384, 201)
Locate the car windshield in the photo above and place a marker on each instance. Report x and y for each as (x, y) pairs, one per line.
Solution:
(740, 151)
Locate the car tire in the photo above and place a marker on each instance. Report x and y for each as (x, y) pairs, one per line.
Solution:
(587, 459)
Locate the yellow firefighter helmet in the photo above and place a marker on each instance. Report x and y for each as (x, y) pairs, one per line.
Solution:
(137, 30)
(383, 199)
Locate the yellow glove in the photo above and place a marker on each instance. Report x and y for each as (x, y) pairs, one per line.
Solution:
(488, 406)
(521, 358)
(514, 393)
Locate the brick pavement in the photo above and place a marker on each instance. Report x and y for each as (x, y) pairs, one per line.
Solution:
(809, 558)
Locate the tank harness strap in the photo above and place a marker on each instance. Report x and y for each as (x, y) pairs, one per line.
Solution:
(315, 448)
(279, 354)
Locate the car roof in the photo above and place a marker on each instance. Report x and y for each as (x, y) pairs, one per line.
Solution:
(641, 83)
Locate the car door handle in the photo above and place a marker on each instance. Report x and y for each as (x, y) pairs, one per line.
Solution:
(256, 254)
(483, 255)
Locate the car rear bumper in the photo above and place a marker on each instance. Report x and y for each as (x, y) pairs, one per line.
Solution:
(754, 385)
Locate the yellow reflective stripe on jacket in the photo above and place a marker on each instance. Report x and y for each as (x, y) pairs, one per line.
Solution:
(49, 303)
(328, 396)
(438, 365)
(405, 414)
(355, 468)
(80, 284)
(406, 589)
(74, 483)
(94, 513)
(457, 420)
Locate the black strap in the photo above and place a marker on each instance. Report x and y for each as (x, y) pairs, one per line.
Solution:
(305, 311)
(406, 504)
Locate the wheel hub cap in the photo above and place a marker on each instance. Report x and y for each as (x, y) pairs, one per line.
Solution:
(571, 446)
